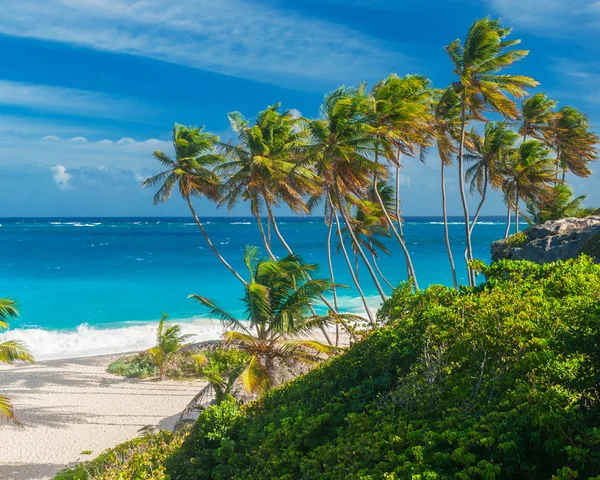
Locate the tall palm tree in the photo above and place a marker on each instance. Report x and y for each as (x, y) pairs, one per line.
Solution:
(11, 352)
(477, 64)
(402, 116)
(537, 112)
(575, 144)
(526, 174)
(169, 343)
(190, 172)
(446, 125)
(487, 153)
(341, 148)
(277, 299)
(264, 168)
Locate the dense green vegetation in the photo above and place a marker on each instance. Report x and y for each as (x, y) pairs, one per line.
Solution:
(497, 381)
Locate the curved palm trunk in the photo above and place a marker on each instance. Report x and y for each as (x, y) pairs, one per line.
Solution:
(264, 237)
(409, 266)
(210, 244)
(517, 211)
(483, 194)
(358, 246)
(375, 264)
(349, 263)
(461, 186)
(446, 234)
(332, 277)
(507, 231)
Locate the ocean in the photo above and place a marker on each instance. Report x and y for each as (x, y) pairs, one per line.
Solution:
(92, 286)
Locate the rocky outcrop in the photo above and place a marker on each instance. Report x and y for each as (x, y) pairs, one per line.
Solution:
(552, 241)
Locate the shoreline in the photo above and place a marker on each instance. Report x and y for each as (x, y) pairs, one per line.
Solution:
(68, 406)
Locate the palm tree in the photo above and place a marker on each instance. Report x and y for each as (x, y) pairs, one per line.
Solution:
(190, 172)
(477, 64)
(446, 125)
(402, 116)
(277, 300)
(573, 141)
(537, 112)
(169, 343)
(341, 146)
(264, 167)
(560, 203)
(11, 352)
(488, 154)
(526, 175)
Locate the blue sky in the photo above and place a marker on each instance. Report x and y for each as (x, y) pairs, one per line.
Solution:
(89, 88)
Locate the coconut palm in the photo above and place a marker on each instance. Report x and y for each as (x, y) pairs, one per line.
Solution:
(190, 173)
(575, 144)
(527, 174)
(11, 352)
(402, 116)
(446, 127)
(169, 343)
(264, 168)
(560, 203)
(277, 299)
(481, 87)
(537, 112)
(341, 147)
(487, 153)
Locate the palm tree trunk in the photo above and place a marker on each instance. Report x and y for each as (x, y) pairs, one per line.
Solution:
(264, 237)
(379, 271)
(517, 211)
(461, 186)
(356, 264)
(349, 263)
(446, 234)
(507, 231)
(483, 194)
(358, 246)
(331, 276)
(400, 238)
(210, 244)
(397, 233)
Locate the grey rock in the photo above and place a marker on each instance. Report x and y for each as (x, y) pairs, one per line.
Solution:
(551, 241)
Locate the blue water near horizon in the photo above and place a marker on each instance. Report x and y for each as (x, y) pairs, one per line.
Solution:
(108, 273)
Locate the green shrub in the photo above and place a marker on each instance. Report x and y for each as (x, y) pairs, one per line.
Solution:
(134, 366)
(516, 240)
(495, 382)
(222, 361)
(140, 458)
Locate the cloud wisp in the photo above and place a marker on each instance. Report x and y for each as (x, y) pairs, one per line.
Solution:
(235, 37)
(61, 177)
(71, 101)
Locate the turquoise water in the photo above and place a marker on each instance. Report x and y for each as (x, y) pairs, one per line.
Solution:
(79, 280)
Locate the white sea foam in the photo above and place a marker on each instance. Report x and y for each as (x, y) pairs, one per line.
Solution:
(242, 223)
(462, 223)
(87, 341)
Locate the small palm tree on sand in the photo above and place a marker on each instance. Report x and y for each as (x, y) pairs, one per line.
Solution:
(169, 343)
(11, 352)
(277, 300)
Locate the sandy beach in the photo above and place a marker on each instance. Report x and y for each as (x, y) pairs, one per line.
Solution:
(68, 406)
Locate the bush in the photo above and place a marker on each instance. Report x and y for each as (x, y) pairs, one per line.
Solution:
(498, 381)
(140, 458)
(222, 361)
(134, 366)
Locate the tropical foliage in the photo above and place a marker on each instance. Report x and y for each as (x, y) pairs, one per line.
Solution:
(498, 381)
(559, 203)
(277, 299)
(360, 141)
(11, 352)
(169, 343)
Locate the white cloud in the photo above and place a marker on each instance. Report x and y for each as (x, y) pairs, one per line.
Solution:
(78, 140)
(105, 142)
(556, 18)
(69, 100)
(237, 37)
(51, 138)
(60, 176)
(126, 141)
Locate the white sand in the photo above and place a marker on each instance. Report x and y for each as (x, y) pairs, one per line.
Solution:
(67, 406)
